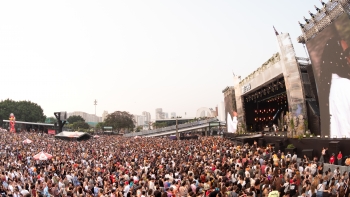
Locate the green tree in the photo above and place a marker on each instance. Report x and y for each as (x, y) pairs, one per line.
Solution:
(120, 120)
(157, 125)
(139, 128)
(100, 125)
(23, 110)
(80, 125)
(74, 119)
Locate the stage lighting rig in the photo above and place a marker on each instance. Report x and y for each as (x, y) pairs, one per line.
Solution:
(317, 9)
(311, 14)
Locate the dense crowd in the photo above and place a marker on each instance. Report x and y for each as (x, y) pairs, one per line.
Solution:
(159, 167)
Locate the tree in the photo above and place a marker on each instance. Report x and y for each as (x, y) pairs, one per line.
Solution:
(139, 128)
(1, 120)
(73, 119)
(157, 125)
(100, 125)
(26, 111)
(120, 120)
(80, 125)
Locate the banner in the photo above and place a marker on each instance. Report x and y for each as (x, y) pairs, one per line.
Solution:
(51, 132)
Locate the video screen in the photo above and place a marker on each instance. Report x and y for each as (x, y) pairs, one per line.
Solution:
(330, 57)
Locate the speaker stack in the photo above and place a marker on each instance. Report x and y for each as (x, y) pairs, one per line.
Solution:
(333, 147)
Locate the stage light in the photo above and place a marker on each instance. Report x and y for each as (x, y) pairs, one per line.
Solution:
(304, 136)
(306, 20)
(301, 25)
(311, 14)
(344, 136)
(317, 9)
(326, 136)
(318, 136)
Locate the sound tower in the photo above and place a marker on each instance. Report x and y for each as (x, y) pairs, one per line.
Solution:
(333, 147)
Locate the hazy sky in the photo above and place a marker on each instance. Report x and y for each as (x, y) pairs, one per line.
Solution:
(137, 55)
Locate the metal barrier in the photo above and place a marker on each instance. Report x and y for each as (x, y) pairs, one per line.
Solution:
(170, 128)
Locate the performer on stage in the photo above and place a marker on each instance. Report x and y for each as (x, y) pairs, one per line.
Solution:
(232, 123)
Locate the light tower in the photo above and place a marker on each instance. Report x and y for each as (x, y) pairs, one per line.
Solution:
(95, 103)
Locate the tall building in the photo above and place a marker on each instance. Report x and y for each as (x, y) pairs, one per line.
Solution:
(147, 116)
(139, 120)
(221, 111)
(104, 115)
(165, 115)
(172, 115)
(159, 114)
(87, 117)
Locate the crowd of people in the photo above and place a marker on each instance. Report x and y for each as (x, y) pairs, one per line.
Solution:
(158, 167)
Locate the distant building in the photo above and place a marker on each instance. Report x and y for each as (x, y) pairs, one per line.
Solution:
(104, 115)
(159, 114)
(87, 117)
(205, 112)
(147, 120)
(172, 121)
(165, 115)
(172, 115)
(139, 120)
(221, 111)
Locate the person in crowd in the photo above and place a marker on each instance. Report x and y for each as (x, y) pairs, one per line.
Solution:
(114, 166)
(339, 158)
(332, 159)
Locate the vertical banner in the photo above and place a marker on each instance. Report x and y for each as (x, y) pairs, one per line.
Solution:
(330, 56)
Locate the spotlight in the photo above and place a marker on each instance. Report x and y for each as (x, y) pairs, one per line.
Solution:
(301, 25)
(326, 136)
(311, 14)
(306, 20)
(323, 4)
(317, 9)
(318, 136)
(344, 136)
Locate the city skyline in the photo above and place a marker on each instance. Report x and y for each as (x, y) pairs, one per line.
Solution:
(124, 54)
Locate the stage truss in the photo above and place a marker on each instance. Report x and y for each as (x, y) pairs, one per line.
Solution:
(323, 18)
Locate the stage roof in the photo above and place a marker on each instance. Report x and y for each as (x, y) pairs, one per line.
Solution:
(72, 135)
(31, 123)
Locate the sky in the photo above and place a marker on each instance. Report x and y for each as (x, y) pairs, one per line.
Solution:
(137, 55)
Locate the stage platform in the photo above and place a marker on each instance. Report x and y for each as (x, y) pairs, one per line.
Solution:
(243, 139)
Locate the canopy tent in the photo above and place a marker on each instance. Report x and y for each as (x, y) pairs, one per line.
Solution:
(73, 135)
(42, 156)
(27, 141)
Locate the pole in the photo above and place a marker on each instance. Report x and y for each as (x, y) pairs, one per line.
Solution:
(177, 130)
(95, 103)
